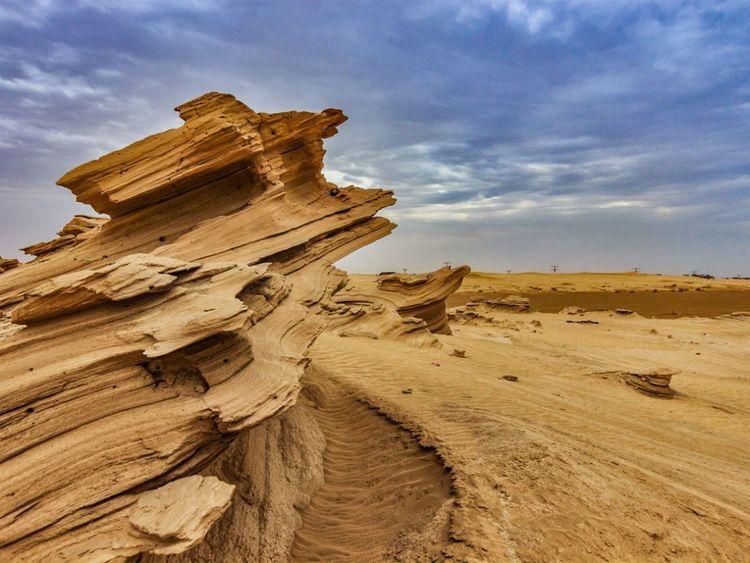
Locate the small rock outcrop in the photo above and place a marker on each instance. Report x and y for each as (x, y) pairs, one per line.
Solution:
(653, 382)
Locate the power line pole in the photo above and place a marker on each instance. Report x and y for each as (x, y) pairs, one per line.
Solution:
(555, 267)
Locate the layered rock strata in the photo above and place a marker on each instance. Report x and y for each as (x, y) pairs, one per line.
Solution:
(135, 351)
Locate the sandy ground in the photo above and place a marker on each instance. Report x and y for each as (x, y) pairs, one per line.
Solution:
(568, 462)
(649, 303)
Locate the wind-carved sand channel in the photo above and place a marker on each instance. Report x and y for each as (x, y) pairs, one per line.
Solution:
(385, 497)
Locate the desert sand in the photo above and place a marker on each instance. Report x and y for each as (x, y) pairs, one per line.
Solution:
(187, 377)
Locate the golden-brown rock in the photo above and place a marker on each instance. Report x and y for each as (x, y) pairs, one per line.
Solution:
(7, 264)
(142, 345)
(412, 295)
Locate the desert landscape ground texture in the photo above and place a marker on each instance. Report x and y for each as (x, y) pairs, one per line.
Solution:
(187, 377)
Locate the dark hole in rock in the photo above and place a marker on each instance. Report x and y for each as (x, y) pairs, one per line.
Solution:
(179, 372)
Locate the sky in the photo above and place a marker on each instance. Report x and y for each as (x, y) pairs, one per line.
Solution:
(593, 134)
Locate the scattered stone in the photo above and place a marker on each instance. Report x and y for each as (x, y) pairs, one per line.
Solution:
(458, 353)
(510, 377)
(583, 322)
(407, 391)
(573, 310)
(623, 311)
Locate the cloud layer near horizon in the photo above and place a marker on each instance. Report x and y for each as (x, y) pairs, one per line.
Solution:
(516, 134)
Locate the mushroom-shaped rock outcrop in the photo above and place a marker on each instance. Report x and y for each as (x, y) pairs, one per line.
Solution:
(134, 355)
(413, 295)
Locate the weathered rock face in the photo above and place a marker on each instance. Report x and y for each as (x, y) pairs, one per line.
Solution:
(413, 295)
(134, 352)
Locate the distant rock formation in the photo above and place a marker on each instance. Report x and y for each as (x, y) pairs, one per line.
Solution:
(135, 349)
(481, 311)
(652, 382)
(420, 296)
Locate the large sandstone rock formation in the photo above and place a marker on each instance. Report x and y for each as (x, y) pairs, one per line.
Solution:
(134, 349)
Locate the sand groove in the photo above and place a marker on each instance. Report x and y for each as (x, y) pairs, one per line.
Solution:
(384, 497)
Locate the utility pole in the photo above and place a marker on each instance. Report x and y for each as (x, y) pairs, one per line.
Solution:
(507, 271)
(636, 270)
(555, 267)
(447, 263)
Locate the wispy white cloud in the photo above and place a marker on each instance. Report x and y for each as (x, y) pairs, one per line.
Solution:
(40, 82)
(28, 13)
